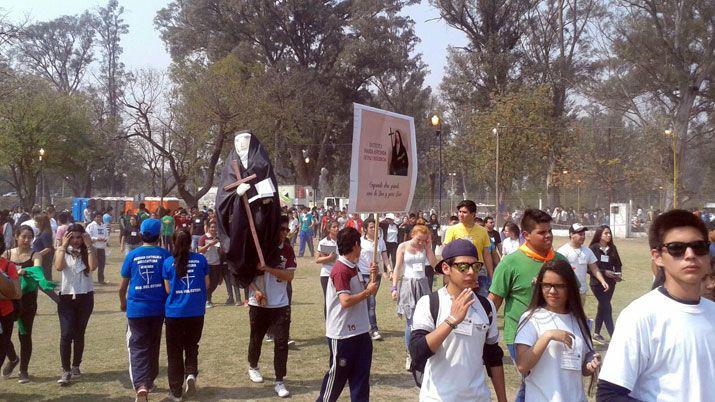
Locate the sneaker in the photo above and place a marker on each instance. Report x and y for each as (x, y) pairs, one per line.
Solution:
(229, 302)
(209, 304)
(281, 390)
(10, 367)
(599, 339)
(23, 378)
(142, 395)
(291, 342)
(65, 379)
(173, 397)
(408, 363)
(268, 338)
(254, 374)
(376, 336)
(75, 372)
(190, 385)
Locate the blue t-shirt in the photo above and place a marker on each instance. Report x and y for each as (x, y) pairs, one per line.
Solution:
(187, 295)
(306, 222)
(146, 288)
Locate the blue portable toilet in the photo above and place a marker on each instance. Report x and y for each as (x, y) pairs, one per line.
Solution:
(77, 209)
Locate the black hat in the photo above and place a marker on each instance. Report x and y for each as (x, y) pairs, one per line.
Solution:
(457, 248)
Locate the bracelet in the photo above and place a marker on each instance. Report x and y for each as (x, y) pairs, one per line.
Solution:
(451, 325)
(393, 289)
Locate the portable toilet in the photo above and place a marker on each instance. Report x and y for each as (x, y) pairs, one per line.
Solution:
(620, 220)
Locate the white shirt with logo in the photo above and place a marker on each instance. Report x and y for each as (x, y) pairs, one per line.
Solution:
(366, 250)
(579, 258)
(99, 234)
(326, 246)
(341, 322)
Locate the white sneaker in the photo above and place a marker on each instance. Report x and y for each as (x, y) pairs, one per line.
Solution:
(281, 390)
(174, 398)
(408, 363)
(376, 336)
(254, 374)
(291, 342)
(190, 385)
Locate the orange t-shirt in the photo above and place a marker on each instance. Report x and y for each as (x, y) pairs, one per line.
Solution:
(8, 268)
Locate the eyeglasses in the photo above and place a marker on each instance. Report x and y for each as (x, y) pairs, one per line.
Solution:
(463, 267)
(546, 287)
(677, 249)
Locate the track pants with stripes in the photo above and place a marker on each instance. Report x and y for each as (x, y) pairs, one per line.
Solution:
(350, 361)
(143, 344)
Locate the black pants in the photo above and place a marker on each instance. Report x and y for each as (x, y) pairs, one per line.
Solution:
(6, 322)
(101, 262)
(215, 277)
(350, 361)
(604, 313)
(324, 284)
(391, 249)
(182, 349)
(74, 312)
(143, 343)
(278, 321)
(26, 317)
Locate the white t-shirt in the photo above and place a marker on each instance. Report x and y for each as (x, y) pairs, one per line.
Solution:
(663, 350)
(327, 246)
(366, 248)
(276, 290)
(548, 381)
(341, 322)
(391, 235)
(579, 258)
(342, 221)
(99, 234)
(53, 226)
(456, 371)
(74, 281)
(414, 264)
(509, 246)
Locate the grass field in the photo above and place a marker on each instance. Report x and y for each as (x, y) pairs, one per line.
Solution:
(222, 354)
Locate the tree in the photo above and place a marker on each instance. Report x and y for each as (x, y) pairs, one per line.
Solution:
(59, 50)
(39, 117)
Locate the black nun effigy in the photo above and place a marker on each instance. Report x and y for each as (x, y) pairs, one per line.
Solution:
(233, 225)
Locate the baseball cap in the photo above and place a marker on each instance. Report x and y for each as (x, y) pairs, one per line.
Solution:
(577, 228)
(457, 248)
(151, 227)
(390, 216)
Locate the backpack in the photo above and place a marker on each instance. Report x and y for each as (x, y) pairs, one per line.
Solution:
(418, 368)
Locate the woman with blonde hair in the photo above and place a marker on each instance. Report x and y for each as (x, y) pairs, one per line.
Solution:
(412, 258)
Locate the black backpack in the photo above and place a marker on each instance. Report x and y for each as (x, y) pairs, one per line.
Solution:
(418, 368)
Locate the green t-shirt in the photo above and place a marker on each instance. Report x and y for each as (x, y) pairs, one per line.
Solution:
(513, 282)
(167, 225)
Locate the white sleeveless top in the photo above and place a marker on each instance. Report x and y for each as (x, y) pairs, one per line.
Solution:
(414, 264)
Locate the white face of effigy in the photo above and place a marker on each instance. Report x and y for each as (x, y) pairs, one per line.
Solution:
(241, 142)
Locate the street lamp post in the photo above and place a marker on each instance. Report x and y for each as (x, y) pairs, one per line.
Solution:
(563, 187)
(42, 181)
(674, 136)
(451, 195)
(438, 132)
(578, 196)
(496, 182)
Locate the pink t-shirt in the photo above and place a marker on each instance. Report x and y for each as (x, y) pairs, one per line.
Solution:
(8, 268)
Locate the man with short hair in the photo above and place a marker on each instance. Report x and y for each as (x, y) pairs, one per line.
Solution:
(512, 283)
(495, 238)
(462, 338)
(99, 233)
(347, 325)
(197, 227)
(663, 347)
(582, 259)
(468, 229)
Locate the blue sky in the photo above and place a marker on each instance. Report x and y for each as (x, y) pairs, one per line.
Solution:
(143, 47)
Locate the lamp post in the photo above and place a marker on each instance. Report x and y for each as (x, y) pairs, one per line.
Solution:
(578, 196)
(451, 195)
(496, 181)
(674, 136)
(563, 186)
(42, 181)
(660, 197)
(438, 132)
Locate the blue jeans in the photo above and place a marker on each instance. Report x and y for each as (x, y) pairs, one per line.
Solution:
(195, 242)
(408, 333)
(306, 238)
(521, 394)
(484, 283)
(371, 303)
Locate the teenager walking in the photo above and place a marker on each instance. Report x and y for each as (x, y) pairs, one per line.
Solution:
(99, 233)
(186, 279)
(553, 342)
(367, 245)
(210, 247)
(327, 255)
(609, 263)
(76, 259)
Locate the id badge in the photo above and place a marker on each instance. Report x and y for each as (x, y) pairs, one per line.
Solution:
(420, 268)
(604, 258)
(571, 358)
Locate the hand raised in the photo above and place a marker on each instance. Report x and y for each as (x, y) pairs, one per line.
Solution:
(460, 305)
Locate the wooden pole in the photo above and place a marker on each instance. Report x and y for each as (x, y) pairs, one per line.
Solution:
(375, 243)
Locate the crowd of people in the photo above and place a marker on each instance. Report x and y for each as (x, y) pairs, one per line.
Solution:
(661, 348)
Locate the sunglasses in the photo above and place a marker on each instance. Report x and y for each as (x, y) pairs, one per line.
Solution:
(546, 287)
(463, 267)
(677, 249)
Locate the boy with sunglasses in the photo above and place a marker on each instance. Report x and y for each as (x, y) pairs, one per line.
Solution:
(461, 339)
(663, 347)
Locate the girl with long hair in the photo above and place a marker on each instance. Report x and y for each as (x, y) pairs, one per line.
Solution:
(367, 245)
(186, 278)
(609, 263)
(398, 156)
(410, 281)
(76, 259)
(27, 262)
(44, 244)
(553, 343)
(511, 242)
